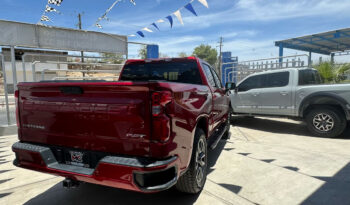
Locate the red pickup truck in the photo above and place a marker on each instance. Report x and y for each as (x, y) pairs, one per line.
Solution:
(147, 132)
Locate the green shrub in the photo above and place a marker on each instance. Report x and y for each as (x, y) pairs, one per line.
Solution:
(333, 73)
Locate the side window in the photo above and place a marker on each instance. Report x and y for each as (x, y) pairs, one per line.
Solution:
(216, 78)
(274, 80)
(309, 77)
(209, 75)
(251, 83)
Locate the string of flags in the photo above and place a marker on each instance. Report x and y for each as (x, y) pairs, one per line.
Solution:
(104, 16)
(49, 9)
(177, 14)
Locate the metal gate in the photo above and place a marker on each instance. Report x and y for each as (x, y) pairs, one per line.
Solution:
(36, 67)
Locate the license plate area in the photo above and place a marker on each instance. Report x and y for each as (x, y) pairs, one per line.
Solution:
(90, 158)
(77, 158)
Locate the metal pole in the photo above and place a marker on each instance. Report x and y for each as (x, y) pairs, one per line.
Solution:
(81, 52)
(226, 77)
(332, 58)
(281, 53)
(24, 68)
(43, 74)
(5, 89)
(310, 57)
(220, 58)
(14, 70)
(33, 70)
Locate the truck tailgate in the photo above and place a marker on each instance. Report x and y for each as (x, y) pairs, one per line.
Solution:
(102, 117)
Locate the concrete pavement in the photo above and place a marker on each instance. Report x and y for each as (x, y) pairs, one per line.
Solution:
(266, 161)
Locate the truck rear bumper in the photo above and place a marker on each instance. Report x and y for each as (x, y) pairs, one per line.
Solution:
(129, 173)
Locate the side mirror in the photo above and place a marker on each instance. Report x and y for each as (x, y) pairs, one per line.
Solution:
(230, 86)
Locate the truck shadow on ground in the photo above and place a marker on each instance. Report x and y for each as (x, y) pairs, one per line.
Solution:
(96, 194)
(277, 126)
(335, 190)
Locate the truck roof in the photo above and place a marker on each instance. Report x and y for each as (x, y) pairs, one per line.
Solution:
(280, 70)
(161, 59)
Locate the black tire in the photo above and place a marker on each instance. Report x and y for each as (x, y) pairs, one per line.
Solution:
(232, 116)
(325, 122)
(188, 182)
(227, 127)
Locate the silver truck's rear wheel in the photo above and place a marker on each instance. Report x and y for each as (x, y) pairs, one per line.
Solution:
(326, 122)
(323, 122)
(194, 179)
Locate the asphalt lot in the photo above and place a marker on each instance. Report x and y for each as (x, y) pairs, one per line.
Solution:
(266, 161)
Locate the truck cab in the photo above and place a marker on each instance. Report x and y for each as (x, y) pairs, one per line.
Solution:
(295, 93)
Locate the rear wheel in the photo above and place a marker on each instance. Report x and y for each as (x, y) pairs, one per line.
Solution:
(326, 122)
(194, 179)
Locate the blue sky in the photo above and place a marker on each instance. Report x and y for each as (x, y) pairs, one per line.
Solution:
(249, 27)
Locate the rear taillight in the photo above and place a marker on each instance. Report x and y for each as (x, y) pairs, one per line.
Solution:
(160, 121)
(159, 101)
(17, 109)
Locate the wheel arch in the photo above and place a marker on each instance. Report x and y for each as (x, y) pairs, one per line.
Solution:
(323, 99)
(203, 123)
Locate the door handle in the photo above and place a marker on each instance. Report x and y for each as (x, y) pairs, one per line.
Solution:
(284, 93)
(256, 94)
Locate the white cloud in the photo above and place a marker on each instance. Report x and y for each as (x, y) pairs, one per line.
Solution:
(271, 10)
(227, 16)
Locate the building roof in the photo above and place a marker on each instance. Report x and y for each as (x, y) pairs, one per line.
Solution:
(322, 43)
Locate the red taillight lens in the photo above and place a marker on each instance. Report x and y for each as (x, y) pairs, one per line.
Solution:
(16, 104)
(160, 121)
(161, 128)
(159, 101)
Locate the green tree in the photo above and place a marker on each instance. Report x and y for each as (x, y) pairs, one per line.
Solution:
(326, 71)
(206, 53)
(143, 52)
(182, 54)
(333, 73)
(341, 71)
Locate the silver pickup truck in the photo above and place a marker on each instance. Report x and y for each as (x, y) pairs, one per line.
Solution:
(294, 93)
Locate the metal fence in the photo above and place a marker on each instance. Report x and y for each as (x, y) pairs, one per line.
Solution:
(240, 70)
(61, 67)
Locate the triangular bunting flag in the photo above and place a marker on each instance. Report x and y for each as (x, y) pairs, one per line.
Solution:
(50, 9)
(133, 2)
(191, 9)
(178, 16)
(204, 2)
(98, 25)
(45, 18)
(170, 20)
(147, 29)
(155, 25)
(160, 21)
(56, 2)
(141, 34)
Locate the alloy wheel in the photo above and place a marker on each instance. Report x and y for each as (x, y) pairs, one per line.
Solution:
(323, 122)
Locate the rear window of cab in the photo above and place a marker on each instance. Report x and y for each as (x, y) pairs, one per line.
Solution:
(179, 72)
